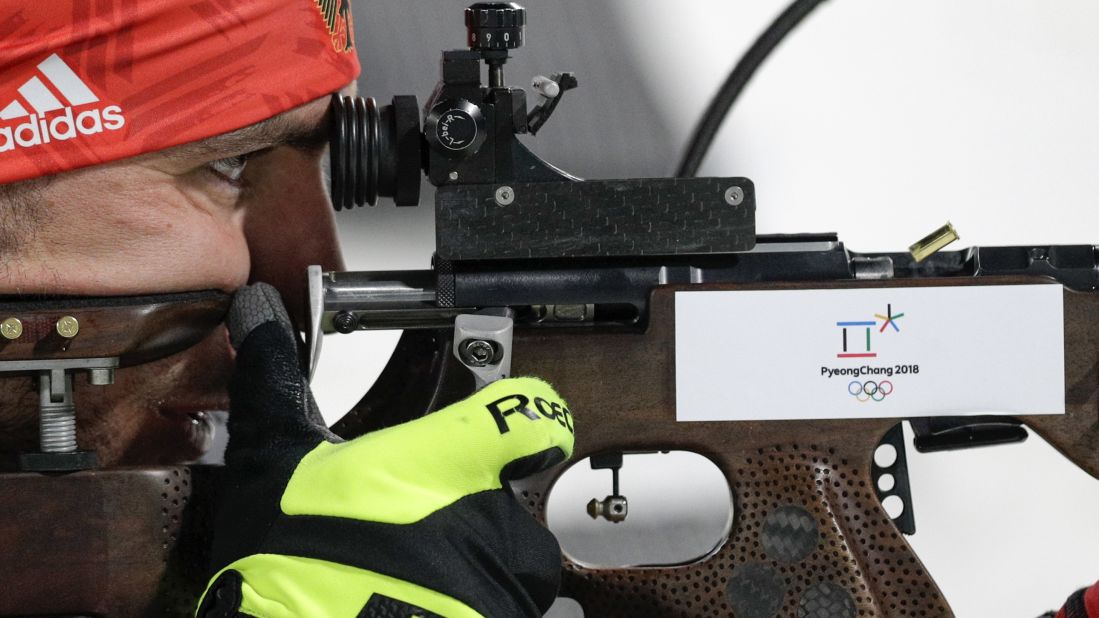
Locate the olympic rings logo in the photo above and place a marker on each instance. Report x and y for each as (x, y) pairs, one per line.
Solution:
(865, 391)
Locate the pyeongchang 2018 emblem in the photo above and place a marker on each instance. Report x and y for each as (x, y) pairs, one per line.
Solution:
(852, 345)
(337, 16)
(61, 107)
(857, 341)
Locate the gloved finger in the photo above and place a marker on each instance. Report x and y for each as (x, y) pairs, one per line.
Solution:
(270, 400)
(510, 429)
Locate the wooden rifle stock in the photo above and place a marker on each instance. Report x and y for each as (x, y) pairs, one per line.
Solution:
(834, 551)
(831, 551)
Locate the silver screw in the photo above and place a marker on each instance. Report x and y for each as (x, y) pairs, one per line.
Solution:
(453, 176)
(56, 419)
(477, 352)
(57, 429)
(505, 196)
(734, 196)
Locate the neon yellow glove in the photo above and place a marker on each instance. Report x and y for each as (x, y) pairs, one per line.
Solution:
(413, 520)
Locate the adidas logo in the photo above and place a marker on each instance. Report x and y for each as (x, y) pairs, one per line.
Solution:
(54, 120)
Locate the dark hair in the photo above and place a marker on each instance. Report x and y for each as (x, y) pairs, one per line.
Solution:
(21, 210)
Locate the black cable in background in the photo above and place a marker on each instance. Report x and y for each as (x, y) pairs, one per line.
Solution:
(704, 133)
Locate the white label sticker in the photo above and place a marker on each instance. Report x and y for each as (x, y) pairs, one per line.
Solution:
(869, 353)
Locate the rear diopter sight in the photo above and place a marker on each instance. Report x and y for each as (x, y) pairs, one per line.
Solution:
(374, 150)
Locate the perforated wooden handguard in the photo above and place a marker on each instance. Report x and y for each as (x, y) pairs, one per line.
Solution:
(128, 542)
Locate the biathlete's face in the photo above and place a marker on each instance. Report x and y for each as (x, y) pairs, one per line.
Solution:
(250, 205)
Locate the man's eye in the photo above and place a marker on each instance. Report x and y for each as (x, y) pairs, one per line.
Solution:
(231, 168)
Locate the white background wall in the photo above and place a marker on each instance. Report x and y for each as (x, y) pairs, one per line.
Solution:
(880, 120)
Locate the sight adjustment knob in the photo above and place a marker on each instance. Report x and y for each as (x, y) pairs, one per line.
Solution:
(455, 128)
(494, 26)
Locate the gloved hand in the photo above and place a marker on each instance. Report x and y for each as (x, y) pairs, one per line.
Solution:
(413, 520)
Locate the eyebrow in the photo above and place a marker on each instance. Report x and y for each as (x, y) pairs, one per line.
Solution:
(277, 131)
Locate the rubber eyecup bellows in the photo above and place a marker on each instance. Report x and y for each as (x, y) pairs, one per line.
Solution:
(375, 151)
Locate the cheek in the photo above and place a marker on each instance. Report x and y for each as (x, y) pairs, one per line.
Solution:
(145, 241)
(188, 253)
(201, 252)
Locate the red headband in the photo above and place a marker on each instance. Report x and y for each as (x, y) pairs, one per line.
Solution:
(89, 81)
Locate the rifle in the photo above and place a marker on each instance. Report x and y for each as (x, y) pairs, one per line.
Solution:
(539, 272)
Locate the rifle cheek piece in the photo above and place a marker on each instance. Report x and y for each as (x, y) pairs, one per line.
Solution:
(52, 340)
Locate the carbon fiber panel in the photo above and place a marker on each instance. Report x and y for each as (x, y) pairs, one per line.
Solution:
(598, 218)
